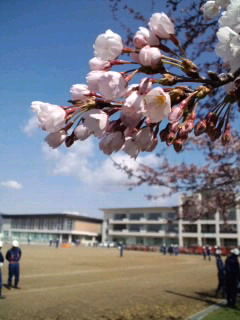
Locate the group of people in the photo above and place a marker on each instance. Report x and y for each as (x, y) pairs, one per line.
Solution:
(173, 249)
(13, 257)
(228, 276)
(207, 253)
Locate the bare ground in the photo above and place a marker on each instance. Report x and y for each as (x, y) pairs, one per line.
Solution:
(96, 284)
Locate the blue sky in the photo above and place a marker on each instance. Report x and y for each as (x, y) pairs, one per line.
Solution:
(45, 48)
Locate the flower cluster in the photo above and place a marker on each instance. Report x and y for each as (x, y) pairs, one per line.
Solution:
(213, 8)
(229, 35)
(127, 116)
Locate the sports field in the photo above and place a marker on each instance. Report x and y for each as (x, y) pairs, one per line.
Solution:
(96, 284)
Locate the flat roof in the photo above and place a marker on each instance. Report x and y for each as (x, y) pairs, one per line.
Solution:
(140, 208)
(53, 214)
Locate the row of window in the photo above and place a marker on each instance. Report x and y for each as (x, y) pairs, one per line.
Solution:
(148, 228)
(42, 223)
(211, 228)
(149, 216)
(167, 215)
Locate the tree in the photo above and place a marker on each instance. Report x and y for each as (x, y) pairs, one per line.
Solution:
(177, 94)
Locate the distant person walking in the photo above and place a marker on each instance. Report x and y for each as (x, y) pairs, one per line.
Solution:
(13, 256)
(232, 277)
(163, 249)
(1, 265)
(121, 247)
(208, 252)
(176, 250)
(204, 253)
(220, 274)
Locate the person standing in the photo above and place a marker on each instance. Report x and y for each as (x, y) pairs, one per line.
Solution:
(221, 274)
(121, 247)
(204, 252)
(208, 252)
(1, 265)
(13, 256)
(232, 277)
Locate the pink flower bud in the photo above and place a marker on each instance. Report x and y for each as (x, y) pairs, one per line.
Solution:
(170, 138)
(200, 127)
(212, 119)
(214, 133)
(152, 145)
(227, 136)
(188, 126)
(174, 126)
(183, 133)
(178, 145)
(163, 133)
(176, 114)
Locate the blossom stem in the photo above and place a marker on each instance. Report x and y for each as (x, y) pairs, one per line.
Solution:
(173, 64)
(171, 59)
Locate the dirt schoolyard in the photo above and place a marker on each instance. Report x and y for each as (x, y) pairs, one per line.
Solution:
(96, 284)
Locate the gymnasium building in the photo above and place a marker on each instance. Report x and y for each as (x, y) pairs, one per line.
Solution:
(46, 227)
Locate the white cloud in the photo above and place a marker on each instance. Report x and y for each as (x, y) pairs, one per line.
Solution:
(83, 160)
(31, 125)
(11, 184)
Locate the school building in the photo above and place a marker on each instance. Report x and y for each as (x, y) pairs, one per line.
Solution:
(154, 226)
(43, 227)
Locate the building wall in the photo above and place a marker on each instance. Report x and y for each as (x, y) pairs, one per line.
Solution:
(141, 226)
(87, 226)
(155, 226)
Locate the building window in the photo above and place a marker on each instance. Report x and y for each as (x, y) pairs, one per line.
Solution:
(229, 242)
(69, 224)
(228, 228)
(190, 228)
(41, 223)
(119, 216)
(171, 215)
(154, 216)
(135, 227)
(153, 228)
(208, 228)
(232, 214)
(172, 228)
(209, 216)
(119, 227)
(136, 216)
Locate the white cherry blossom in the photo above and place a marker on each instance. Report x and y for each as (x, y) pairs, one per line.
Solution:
(93, 78)
(229, 44)
(111, 142)
(157, 105)
(51, 117)
(96, 121)
(231, 17)
(161, 25)
(99, 64)
(55, 139)
(81, 132)
(135, 101)
(130, 147)
(210, 9)
(108, 45)
(144, 138)
(79, 92)
(150, 56)
(144, 37)
(112, 85)
(222, 3)
(129, 117)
